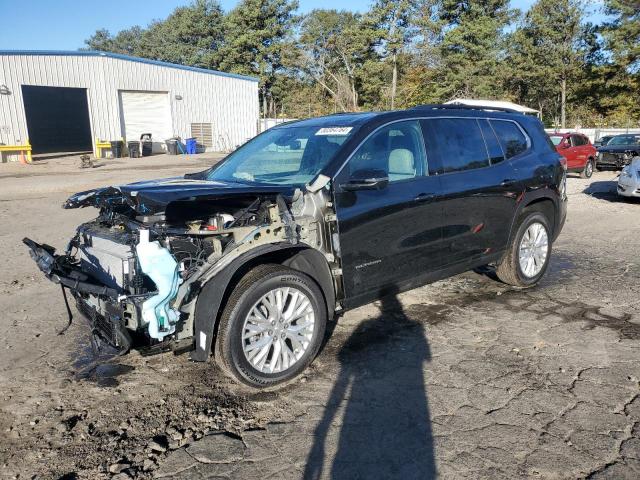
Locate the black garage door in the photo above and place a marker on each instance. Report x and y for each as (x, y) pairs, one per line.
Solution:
(57, 119)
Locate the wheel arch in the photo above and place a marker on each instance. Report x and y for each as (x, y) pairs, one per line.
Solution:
(541, 201)
(213, 295)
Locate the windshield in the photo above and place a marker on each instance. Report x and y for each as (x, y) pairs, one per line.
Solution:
(556, 139)
(624, 140)
(283, 156)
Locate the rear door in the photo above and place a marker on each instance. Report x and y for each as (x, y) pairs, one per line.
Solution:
(389, 238)
(576, 157)
(479, 186)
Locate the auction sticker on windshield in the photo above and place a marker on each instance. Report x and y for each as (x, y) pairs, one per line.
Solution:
(334, 131)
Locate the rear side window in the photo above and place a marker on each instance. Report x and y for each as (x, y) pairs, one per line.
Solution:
(496, 155)
(511, 137)
(577, 140)
(457, 143)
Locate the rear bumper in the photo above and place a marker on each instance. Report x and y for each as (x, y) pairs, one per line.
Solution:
(562, 218)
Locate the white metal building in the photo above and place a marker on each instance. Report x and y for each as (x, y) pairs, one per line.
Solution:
(66, 101)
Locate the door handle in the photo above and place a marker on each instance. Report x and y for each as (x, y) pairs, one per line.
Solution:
(424, 197)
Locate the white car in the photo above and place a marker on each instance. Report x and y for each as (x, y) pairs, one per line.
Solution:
(629, 182)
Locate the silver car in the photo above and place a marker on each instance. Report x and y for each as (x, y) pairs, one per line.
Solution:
(629, 182)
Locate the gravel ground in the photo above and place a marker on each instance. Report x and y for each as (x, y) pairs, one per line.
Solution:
(465, 378)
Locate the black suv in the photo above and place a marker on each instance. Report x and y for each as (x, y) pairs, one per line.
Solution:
(252, 257)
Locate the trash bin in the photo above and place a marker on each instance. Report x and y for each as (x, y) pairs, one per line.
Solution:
(172, 146)
(147, 144)
(116, 148)
(192, 146)
(134, 149)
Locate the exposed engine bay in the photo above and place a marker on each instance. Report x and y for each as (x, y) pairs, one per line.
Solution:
(137, 269)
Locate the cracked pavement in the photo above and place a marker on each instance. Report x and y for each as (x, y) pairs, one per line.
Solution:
(465, 378)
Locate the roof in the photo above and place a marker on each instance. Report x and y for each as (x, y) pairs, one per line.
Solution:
(491, 103)
(118, 56)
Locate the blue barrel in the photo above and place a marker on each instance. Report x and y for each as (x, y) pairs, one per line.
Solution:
(192, 145)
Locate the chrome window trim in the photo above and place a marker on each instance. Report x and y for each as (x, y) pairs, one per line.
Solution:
(409, 119)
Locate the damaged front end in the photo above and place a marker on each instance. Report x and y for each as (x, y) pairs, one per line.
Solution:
(135, 271)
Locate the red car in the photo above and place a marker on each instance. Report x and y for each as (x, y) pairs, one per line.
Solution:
(578, 150)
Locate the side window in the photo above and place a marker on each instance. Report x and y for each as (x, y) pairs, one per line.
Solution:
(496, 155)
(576, 141)
(457, 143)
(397, 149)
(511, 137)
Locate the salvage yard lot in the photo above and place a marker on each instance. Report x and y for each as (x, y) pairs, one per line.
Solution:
(464, 378)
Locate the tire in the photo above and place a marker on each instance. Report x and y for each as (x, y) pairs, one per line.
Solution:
(269, 326)
(587, 171)
(509, 270)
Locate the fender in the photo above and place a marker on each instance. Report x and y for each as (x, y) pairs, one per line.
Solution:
(532, 196)
(215, 291)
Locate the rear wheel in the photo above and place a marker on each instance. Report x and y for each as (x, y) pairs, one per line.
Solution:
(527, 259)
(272, 326)
(587, 171)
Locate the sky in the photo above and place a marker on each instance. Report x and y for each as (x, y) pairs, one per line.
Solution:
(65, 24)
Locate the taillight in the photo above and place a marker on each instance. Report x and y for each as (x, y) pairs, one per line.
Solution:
(563, 162)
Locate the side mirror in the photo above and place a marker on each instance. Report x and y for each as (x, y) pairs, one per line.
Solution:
(366, 180)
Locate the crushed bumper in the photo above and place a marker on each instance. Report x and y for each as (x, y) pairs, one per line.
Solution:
(60, 270)
(98, 303)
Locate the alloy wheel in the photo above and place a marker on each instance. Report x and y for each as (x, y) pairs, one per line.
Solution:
(533, 249)
(278, 330)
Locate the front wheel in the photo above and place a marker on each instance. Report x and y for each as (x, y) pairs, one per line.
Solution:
(272, 326)
(587, 171)
(527, 259)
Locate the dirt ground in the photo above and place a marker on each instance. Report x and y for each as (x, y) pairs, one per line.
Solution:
(465, 378)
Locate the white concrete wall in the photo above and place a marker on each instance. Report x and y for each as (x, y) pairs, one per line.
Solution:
(596, 133)
(229, 103)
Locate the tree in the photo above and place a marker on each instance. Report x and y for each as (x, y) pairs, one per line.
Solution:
(392, 20)
(255, 36)
(622, 32)
(126, 41)
(191, 35)
(334, 46)
(471, 46)
(622, 39)
(547, 53)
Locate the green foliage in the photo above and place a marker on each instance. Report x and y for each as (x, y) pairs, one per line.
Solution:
(471, 46)
(546, 52)
(255, 34)
(126, 42)
(405, 52)
(191, 35)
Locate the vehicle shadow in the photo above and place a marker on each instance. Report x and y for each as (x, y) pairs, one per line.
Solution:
(607, 190)
(380, 396)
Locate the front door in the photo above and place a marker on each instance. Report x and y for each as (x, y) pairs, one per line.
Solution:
(479, 187)
(389, 238)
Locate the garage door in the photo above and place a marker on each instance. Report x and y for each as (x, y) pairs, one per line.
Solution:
(57, 119)
(146, 112)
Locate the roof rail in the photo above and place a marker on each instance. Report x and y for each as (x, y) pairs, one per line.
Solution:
(453, 106)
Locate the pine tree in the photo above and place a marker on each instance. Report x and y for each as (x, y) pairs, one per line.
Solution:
(255, 38)
(546, 54)
(471, 47)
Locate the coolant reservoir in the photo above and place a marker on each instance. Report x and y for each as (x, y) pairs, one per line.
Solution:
(159, 265)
